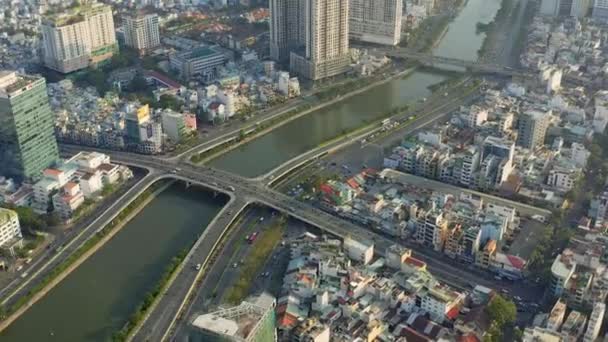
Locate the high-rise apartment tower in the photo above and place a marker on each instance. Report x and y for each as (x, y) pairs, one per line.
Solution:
(376, 21)
(326, 51)
(27, 136)
(81, 37)
(141, 31)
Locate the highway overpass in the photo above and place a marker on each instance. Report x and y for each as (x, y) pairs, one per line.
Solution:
(244, 192)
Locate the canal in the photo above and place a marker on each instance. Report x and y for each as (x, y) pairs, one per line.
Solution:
(96, 300)
(301, 135)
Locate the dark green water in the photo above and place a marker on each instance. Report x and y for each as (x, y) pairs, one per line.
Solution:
(290, 140)
(97, 298)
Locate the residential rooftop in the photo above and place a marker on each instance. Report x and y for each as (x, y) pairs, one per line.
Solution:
(11, 83)
(6, 215)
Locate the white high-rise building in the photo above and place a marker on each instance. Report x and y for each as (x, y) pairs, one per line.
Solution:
(141, 31)
(549, 8)
(326, 40)
(81, 37)
(600, 10)
(595, 322)
(375, 21)
(10, 230)
(580, 8)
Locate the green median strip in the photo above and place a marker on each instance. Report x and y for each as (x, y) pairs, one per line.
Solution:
(254, 263)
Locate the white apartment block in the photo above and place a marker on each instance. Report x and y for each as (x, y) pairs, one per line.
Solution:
(439, 300)
(600, 10)
(79, 38)
(549, 8)
(359, 251)
(580, 8)
(142, 32)
(562, 179)
(595, 322)
(10, 229)
(326, 40)
(375, 21)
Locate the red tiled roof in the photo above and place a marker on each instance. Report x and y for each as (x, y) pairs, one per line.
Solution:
(52, 172)
(162, 78)
(326, 188)
(453, 313)
(415, 262)
(412, 335)
(287, 320)
(70, 185)
(353, 183)
(468, 338)
(516, 261)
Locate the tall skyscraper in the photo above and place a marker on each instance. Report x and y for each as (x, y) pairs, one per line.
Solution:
(287, 28)
(532, 129)
(580, 8)
(326, 51)
(575, 8)
(600, 10)
(141, 31)
(376, 21)
(81, 37)
(27, 137)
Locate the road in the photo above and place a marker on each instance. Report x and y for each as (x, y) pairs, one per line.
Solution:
(221, 275)
(73, 239)
(522, 209)
(432, 61)
(173, 299)
(232, 130)
(434, 109)
(255, 192)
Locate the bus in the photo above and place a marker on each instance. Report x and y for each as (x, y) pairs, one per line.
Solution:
(252, 237)
(386, 122)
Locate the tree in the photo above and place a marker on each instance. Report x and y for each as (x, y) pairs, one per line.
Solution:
(95, 78)
(168, 101)
(125, 58)
(53, 219)
(138, 84)
(502, 312)
(29, 219)
(149, 62)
